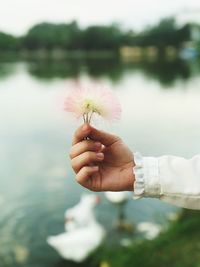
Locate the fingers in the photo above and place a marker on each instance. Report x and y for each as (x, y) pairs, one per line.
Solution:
(81, 147)
(87, 130)
(103, 137)
(81, 133)
(84, 175)
(85, 159)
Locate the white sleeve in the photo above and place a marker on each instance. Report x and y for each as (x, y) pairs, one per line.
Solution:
(175, 180)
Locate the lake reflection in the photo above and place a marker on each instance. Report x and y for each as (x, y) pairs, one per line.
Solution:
(160, 103)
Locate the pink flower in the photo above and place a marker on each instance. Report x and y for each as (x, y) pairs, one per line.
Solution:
(91, 99)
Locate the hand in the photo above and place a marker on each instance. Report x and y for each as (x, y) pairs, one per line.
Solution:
(102, 162)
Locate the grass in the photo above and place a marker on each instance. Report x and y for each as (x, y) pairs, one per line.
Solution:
(179, 246)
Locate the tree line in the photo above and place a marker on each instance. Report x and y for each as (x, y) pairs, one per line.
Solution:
(71, 37)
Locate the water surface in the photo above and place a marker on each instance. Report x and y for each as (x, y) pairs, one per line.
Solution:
(161, 111)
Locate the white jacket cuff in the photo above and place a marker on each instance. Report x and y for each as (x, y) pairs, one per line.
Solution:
(173, 179)
(147, 183)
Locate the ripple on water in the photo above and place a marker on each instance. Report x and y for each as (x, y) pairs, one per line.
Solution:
(25, 224)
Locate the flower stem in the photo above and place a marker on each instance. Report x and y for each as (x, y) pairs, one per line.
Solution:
(90, 117)
(84, 117)
(86, 120)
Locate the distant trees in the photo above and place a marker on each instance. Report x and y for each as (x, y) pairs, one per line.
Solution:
(49, 36)
(71, 37)
(8, 42)
(102, 37)
(164, 33)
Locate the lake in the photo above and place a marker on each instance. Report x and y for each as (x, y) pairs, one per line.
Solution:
(161, 111)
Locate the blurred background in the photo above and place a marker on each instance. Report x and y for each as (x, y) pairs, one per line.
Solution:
(148, 52)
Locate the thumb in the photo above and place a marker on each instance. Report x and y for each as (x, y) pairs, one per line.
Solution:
(105, 138)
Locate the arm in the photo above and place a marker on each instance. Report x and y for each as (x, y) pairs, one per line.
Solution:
(175, 180)
(105, 163)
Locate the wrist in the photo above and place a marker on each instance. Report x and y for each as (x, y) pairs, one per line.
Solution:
(131, 177)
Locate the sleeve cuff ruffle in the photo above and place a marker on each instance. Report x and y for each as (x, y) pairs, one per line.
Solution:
(138, 170)
(146, 171)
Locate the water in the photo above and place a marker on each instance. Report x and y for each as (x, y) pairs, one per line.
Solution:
(161, 113)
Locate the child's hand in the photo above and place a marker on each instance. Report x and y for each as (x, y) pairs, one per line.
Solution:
(102, 163)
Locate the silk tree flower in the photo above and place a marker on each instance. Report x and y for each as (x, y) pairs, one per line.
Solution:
(92, 100)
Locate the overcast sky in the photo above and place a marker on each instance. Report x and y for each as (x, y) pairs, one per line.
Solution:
(17, 16)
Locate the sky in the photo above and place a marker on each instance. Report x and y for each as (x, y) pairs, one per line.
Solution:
(17, 16)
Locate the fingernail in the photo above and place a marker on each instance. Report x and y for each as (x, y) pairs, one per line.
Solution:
(95, 168)
(85, 127)
(100, 155)
(97, 145)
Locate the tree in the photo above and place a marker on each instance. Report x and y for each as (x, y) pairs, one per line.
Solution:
(8, 42)
(49, 36)
(102, 38)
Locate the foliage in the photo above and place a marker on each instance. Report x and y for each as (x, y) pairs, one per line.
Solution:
(165, 33)
(48, 36)
(177, 247)
(69, 36)
(102, 37)
(8, 42)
